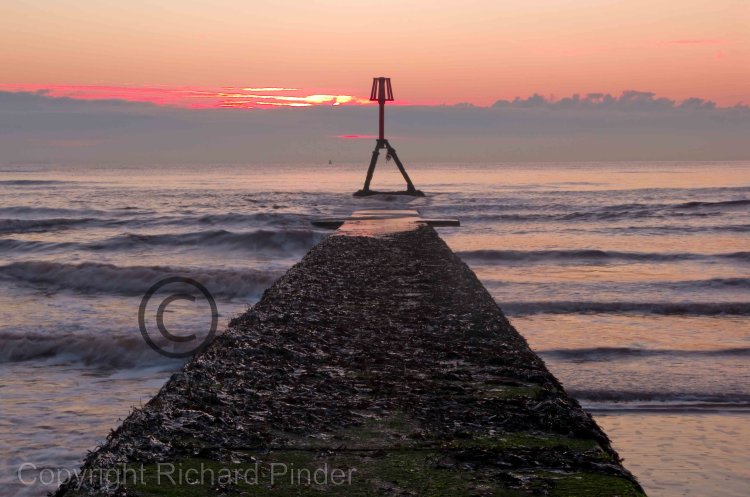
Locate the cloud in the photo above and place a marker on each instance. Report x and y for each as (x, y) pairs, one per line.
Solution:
(194, 97)
(629, 100)
(636, 125)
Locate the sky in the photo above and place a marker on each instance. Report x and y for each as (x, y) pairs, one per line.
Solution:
(252, 56)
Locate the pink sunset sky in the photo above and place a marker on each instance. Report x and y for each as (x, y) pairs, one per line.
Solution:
(151, 81)
(238, 53)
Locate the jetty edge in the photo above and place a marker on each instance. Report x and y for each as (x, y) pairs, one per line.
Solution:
(377, 365)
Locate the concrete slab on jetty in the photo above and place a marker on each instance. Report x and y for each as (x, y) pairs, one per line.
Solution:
(378, 365)
(379, 222)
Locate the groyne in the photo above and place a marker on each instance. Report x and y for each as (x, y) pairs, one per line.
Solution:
(378, 365)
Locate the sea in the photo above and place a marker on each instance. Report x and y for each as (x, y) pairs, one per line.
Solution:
(631, 280)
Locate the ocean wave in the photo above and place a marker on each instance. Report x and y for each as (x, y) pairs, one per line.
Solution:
(592, 255)
(659, 308)
(570, 212)
(601, 215)
(708, 284)
(596, 354)
(8, 226)
(670, 397)
(273, 240)
(223, 219)
(274, 218)
(44, 212)
(92, 278)
(740, 256)
(10, 245)
(677, 228)
(277, 241)
(31, 182)
(645, 213)
(97, 349)
(678, 290)
(32, 220)
(721, 203)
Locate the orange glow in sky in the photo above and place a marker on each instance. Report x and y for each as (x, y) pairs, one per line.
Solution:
(194, 98)
(326, 52)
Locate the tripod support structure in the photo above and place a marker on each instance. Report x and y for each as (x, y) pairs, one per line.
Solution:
(390, 153)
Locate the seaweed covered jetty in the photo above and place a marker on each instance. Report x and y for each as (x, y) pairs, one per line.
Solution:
(378, 365)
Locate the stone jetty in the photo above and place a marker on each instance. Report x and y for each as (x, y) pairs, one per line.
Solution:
(377, 365)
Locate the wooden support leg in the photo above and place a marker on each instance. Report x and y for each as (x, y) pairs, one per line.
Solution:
(371, 169)
(392, 153)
